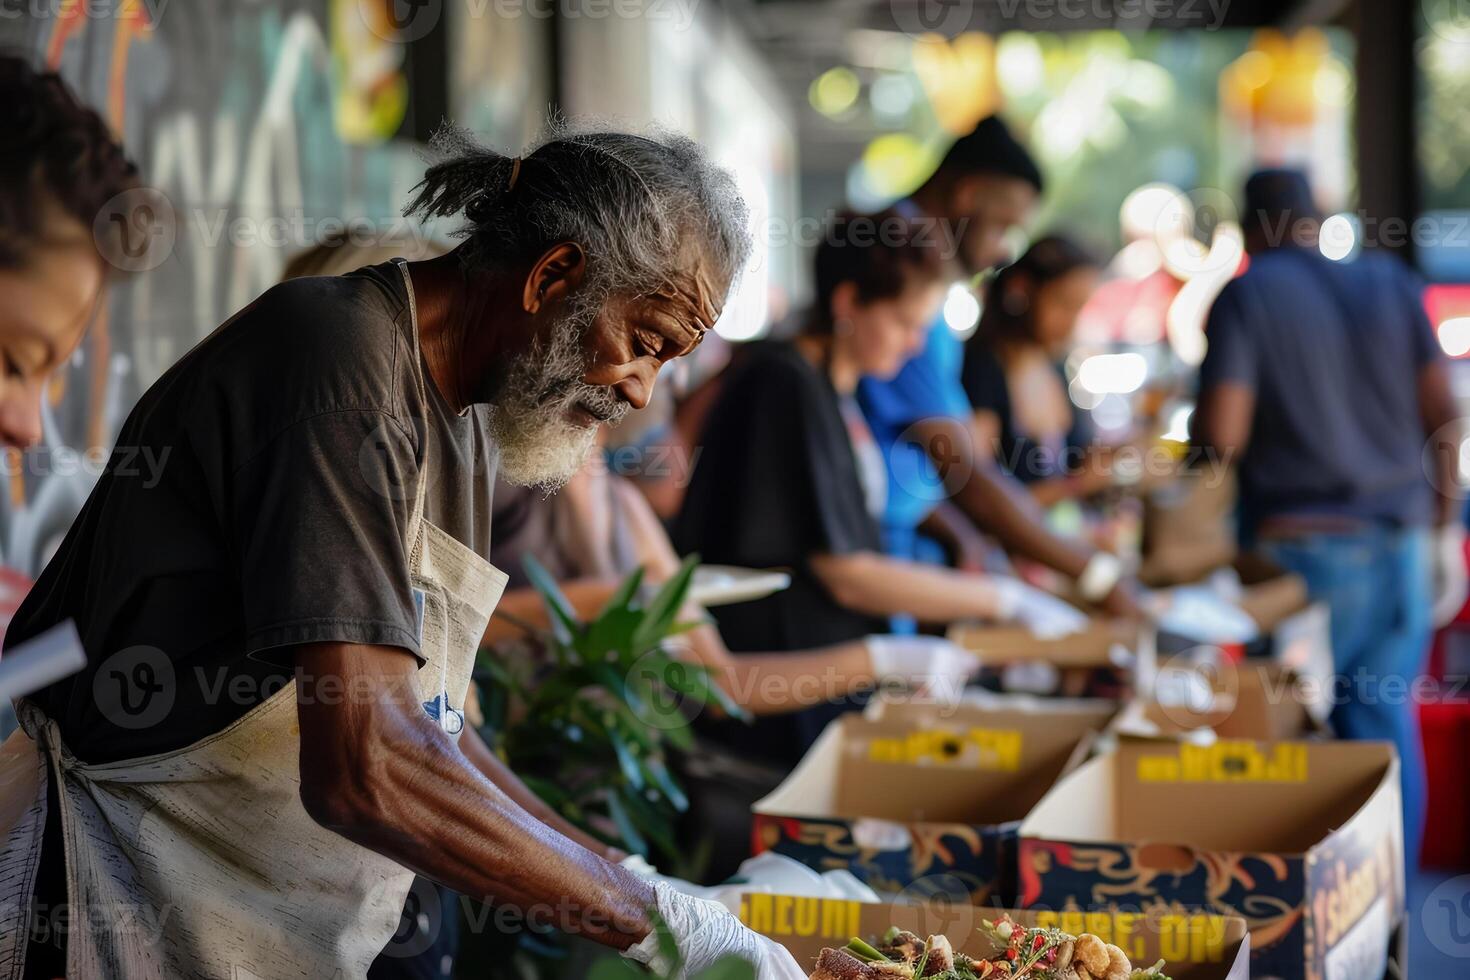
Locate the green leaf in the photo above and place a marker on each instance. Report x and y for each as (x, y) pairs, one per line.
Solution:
(611, 632)
(623, 597)
(632, 839)
(667, 946)
(610, 968)
(564, 622)
(729, 968)
(632, 771)
(659, 615)
(653, 821)
(659, 775)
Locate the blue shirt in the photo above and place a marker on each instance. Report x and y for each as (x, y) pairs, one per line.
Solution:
(927, 386)
(1333, 353)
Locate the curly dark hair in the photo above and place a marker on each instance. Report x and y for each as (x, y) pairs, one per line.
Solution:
(53, 150)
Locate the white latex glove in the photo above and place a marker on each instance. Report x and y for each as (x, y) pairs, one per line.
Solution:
(931, 664)
(707, 932)
(1450, 577)
(1042, 613)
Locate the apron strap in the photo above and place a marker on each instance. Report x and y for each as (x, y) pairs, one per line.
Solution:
(416, 516)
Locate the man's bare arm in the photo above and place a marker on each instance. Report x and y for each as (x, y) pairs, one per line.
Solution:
(489, 764)
(378, 771)
(1222, 419)
(999, 505)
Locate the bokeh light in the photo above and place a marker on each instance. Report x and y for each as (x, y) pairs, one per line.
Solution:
(835, 92)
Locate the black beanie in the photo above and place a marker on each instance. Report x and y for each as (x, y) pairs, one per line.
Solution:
(991, 149)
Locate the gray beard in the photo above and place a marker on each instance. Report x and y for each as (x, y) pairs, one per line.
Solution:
(539, 445)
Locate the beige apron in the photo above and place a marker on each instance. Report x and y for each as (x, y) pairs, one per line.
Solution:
(202, 862)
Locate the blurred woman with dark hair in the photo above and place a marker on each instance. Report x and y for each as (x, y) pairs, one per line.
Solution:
(789, 474)
(1024, 417)
(60, 168)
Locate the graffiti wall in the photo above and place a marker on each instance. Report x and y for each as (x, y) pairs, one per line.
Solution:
(262, 127)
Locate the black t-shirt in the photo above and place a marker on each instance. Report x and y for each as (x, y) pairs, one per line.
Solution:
(289, 442)
(1024, 457)
(776, 482)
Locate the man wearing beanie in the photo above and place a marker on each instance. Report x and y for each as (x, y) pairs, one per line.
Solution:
(984, 187)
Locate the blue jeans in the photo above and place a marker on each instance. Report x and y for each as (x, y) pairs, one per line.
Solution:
(1377, 585)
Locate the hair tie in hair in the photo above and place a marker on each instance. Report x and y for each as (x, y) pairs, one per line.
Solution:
(515, 171)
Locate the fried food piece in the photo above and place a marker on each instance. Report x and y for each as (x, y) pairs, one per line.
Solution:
(1093, 959)
(839, 964)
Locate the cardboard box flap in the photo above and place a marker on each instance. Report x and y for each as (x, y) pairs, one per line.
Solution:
(1255, 699)
(1295, 793)
(969, 772)
(1093, 647)
(1194, 946)
(977, 706)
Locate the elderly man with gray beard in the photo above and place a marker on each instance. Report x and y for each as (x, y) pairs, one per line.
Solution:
(268, 738)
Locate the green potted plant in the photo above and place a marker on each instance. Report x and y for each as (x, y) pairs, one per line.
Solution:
(589, 725)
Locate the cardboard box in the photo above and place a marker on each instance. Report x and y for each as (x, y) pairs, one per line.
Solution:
(1295, 632)
(980, 708)
(1188, 529)
(1194, 946)
(1254, 699)
(898, 803)
(1302, 839)
(1093, 647)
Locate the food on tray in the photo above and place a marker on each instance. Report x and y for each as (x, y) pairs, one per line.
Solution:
(1024, 954)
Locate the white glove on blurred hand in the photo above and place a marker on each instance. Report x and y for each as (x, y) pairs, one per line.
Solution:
(1042, 613)
(707, 932)
(1451, 580)
(931, 664)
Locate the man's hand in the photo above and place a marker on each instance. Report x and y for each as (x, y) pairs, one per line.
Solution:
(705, 933)
(378, 771)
